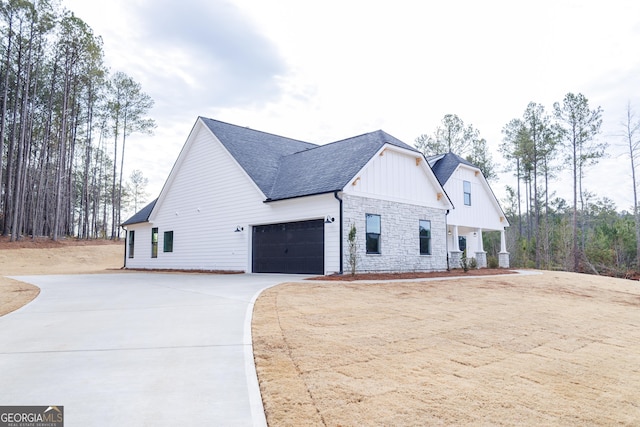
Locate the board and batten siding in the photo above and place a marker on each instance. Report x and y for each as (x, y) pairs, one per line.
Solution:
(483, 212)
(398, 175)
(207, 196)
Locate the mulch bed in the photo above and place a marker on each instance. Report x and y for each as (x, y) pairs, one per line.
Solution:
(416, 275)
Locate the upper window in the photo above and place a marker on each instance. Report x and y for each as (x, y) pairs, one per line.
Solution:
(154, 243)
(168, 241)
(425, 237)
(467, 192)
(132, 238)
(373, 234)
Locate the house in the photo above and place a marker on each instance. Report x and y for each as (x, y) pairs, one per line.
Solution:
(239, 199)
(476, 209)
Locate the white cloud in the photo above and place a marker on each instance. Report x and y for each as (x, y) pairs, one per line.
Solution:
(322, 71)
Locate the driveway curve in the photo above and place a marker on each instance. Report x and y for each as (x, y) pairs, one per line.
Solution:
(135, 348)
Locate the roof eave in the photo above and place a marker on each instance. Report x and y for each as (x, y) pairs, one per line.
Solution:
(278, 199)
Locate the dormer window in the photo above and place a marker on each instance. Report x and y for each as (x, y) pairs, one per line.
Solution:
(467, 192)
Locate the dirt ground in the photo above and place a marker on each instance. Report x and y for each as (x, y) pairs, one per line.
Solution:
(546, 349)
(47, 257)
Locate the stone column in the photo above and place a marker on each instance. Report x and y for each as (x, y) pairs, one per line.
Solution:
(481, 255)
(503, 256)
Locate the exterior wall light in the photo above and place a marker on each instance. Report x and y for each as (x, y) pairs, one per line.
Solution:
(239, 229)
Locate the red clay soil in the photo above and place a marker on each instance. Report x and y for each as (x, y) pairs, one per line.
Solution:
(47, 242)
(417, 275)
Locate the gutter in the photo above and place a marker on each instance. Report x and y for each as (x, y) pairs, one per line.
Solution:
(335, 194)
(270, 200)
(446, 238)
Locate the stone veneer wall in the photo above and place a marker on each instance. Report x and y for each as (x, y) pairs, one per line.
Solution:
(400, 250)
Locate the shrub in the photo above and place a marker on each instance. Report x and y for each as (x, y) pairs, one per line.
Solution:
(464, 262)
(492, 262)
(353, 250)
(473, 264)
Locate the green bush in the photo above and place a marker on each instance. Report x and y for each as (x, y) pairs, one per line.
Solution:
(353, 250)
(492, 262)
(464, 262)
(473, 264)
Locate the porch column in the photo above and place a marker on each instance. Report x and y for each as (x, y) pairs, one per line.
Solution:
(456, 240)
(455, 254)
(480, 242)
(503, 256)
(481, 255)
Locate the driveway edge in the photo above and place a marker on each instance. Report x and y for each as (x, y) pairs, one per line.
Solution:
(253, 386)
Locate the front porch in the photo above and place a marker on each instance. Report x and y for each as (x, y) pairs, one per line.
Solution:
(461, 238)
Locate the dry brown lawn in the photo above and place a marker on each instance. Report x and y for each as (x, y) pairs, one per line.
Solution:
(548, 349)
(47, 257)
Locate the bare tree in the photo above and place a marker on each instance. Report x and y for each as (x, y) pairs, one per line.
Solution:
(631, 127)
(128, 105)
(454, 137)
(137, 188)
(579, 126)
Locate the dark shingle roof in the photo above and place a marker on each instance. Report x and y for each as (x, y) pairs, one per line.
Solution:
(259, 153)
(329, 167)
(444, 165)
(285, 168)
(142, 215)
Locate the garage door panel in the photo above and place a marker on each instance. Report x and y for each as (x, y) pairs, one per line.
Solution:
(294, 247)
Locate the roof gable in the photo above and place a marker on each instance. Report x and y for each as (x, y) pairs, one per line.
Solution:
(444, 165)
(258, 153)
(329, 167)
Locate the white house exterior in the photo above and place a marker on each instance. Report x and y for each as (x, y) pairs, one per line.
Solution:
(244, 200)
(476, 210)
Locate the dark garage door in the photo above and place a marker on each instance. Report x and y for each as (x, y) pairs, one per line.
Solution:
(292, 247)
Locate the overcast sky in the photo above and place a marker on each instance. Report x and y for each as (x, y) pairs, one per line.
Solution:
(325, 71)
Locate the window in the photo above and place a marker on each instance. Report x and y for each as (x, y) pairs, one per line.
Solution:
(373, 234)
(425, 237)
(467, 192)
(168, 241)
(154, 243)
(132, 238)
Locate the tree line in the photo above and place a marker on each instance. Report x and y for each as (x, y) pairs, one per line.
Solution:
(64, 122)
(65, 118)
(584, 234)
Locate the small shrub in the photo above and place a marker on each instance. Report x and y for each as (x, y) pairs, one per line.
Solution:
(473, 264)
(464, 263)
(353, 250)
(492, 262)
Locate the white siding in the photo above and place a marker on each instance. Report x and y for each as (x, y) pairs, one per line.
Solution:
(399, 176)
(206, 197)
(483, 212)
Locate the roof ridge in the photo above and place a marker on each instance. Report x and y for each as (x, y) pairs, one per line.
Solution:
(259, 131)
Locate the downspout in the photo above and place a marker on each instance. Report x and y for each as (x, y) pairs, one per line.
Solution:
(446, 238)
(335, 194)
(126, 237)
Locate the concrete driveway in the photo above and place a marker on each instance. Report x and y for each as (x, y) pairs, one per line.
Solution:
(136, 349)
